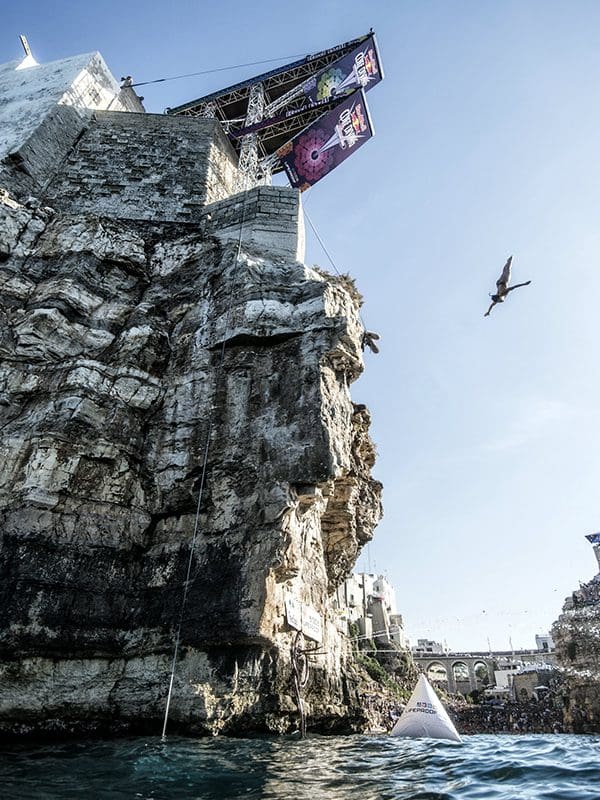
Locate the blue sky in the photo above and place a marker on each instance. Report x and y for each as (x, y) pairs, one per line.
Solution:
(487, 138)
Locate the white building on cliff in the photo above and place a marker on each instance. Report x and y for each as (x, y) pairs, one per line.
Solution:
(369, 600)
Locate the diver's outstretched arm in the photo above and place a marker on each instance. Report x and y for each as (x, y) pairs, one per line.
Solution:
(492, 304)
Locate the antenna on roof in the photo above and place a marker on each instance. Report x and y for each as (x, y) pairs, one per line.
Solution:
(29, 60)
(25, 44)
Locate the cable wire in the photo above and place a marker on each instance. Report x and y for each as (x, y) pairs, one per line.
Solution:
(219, 69)
(367, 334)
(371, 635)
(321, 242)
(188, 582)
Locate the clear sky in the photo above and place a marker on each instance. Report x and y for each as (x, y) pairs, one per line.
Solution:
(487, 145)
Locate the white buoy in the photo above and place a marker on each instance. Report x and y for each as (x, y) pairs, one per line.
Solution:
(425, 716)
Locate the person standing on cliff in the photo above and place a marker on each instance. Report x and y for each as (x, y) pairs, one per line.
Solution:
(502, 287)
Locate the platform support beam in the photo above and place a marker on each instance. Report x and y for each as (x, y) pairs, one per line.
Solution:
(248, 164)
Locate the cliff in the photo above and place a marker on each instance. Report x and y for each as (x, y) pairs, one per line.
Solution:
(159, 336)
(576, 634)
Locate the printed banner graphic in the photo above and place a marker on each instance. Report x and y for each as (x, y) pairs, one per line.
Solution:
(319, 149)
(359, 69)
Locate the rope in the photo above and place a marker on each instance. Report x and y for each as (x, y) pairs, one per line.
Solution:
(188, 582)
(219, 69)
(322, 243)
(371, 635)
(299, 659)
(368, 336)
(300, 670)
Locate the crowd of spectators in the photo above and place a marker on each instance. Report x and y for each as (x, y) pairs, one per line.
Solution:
(541, 715)
(532, 716)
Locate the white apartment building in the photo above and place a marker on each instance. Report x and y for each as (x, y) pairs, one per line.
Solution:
(369, 600)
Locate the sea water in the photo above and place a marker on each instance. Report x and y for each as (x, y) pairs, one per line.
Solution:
(535, 767)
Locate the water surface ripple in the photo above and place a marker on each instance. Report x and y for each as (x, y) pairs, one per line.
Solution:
(536, 767)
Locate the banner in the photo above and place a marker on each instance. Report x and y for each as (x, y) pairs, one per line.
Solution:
(322, 146)
(359, 69)
(303, 618)
(594, 538)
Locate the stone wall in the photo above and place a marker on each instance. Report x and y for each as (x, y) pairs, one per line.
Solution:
(146, 167)
(30, 169)
(272, 218)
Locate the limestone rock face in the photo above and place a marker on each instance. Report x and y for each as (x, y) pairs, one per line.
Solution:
(173, 396)
(576, 634)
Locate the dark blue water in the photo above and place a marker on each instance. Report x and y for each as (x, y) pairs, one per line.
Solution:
(332, 768)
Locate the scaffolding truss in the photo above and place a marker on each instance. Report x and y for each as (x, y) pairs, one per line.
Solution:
(275, 103)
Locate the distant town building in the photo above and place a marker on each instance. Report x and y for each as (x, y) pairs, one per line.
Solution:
(492, 673)
(369, 601)
(504, 674)
(426, 646)
(532, 682)
(544, 643)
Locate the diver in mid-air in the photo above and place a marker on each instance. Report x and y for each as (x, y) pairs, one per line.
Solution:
(502, 287)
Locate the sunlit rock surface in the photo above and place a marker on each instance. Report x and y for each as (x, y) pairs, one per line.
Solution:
(127, 347)
(576, 634)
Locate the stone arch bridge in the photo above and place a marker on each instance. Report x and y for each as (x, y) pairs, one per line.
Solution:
(456, 672)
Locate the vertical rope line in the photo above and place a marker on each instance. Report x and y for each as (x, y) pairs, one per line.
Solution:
(300, 672)
(321, 242)
(186, 585)
(329, 256)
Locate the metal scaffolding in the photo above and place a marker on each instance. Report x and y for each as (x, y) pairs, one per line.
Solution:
(248, 163)
(276, 98)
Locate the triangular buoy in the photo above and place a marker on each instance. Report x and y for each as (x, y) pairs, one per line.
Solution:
(425, 715)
